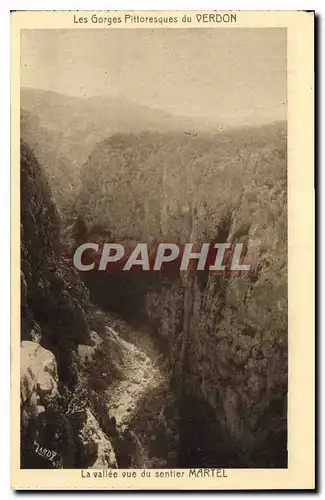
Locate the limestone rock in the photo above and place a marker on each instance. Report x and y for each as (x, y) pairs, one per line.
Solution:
(86, 354)
(38, 371)
(98, 453)
(95, 338)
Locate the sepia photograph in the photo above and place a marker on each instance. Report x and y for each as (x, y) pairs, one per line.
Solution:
(153, 214)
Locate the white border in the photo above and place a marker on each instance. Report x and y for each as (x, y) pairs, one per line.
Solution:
(5, 6)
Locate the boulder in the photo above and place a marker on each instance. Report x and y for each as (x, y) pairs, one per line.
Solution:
(38, 372)
(98, 453)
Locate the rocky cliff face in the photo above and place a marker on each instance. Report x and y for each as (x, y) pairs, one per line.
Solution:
(58, 400)
(96, 398)
(52, 296)
(63, 131)
(226, 335)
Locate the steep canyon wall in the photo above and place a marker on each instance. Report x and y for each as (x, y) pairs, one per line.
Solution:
(226, 335)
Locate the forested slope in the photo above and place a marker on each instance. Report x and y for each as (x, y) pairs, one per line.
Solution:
(226, 335)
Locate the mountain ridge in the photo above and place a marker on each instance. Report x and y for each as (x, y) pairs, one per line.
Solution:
(124, 111)
(175, 121)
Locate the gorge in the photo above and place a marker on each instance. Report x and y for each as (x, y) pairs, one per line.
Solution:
(153, 370)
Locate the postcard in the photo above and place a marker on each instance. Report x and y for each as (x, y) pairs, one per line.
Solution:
(162, 250)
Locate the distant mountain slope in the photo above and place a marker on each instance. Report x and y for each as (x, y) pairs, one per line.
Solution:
(63, 131)
(120, 113)
(157, 185)
(82, 122)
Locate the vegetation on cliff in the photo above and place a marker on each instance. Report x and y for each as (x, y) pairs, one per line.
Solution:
(58, 397)
(226, 335)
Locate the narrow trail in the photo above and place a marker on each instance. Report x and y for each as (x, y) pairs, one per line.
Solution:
(141, 400)
(143, 372)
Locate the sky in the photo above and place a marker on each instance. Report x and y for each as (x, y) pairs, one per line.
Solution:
(221, 74)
